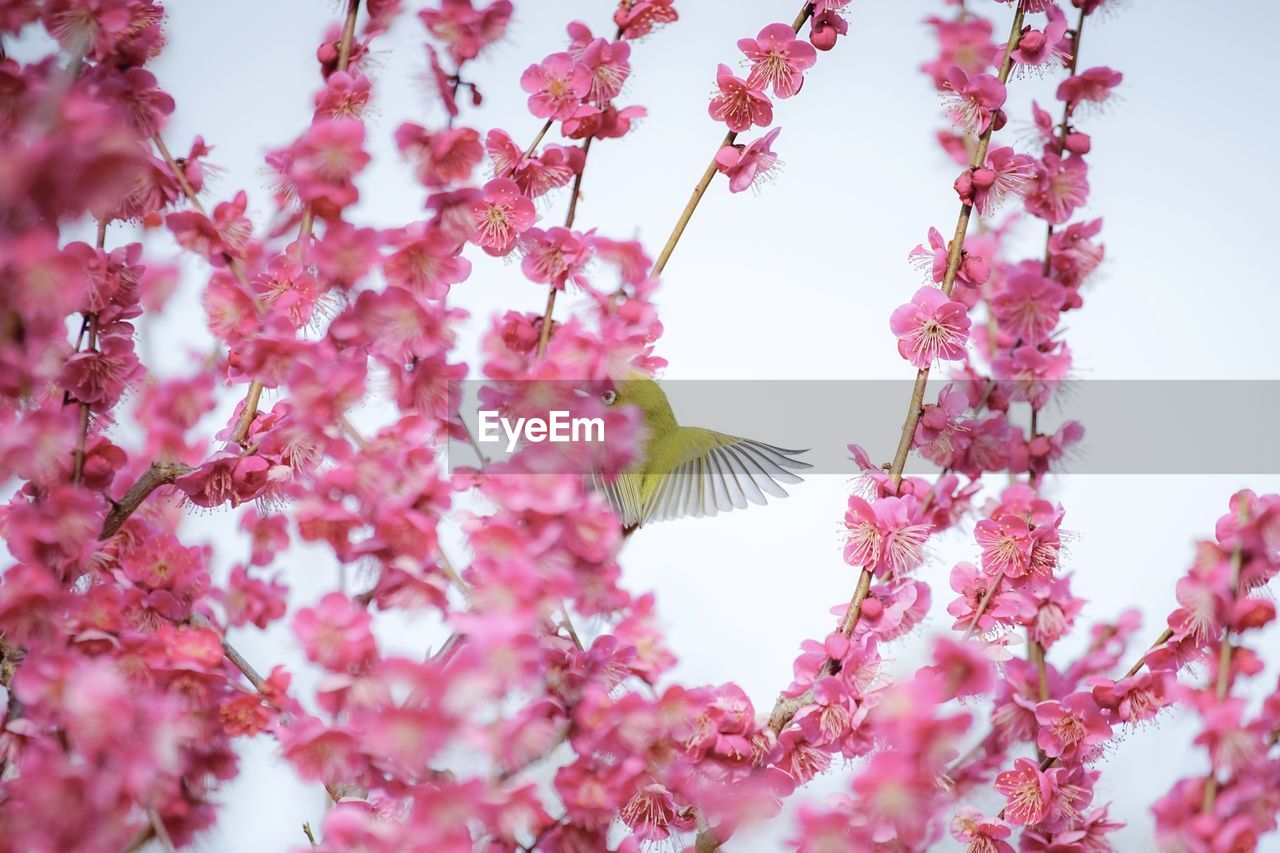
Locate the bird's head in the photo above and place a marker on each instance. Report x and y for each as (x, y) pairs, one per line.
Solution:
(646, 395)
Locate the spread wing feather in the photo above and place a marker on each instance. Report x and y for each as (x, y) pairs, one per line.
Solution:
(715, 473)
(719, 473)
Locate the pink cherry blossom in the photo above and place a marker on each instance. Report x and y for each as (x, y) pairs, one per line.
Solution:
(739, 105)
(638, 19)
(1072, 729)
(963, 43)
(335, 633)
(1062, 185)
(500, 216)
(465, 29)
(930, 327)
(979, 833)
(607, 64)
(973, 102)
(1093, 86)
(442, 158)
(556, 86)
(555, 256)
(324, 163)
(882, 536)
(1006, 173)
(749, 164)
(1028, 306)
(778, 60)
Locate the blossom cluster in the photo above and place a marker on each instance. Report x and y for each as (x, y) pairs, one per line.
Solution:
(125, 700)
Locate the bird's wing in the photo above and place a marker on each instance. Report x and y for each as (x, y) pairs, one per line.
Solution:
(623, 494)
(716, 473)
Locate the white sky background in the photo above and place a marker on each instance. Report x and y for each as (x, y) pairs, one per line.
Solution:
(798, 283)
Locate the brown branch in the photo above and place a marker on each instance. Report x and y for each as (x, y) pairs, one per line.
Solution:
(348, 34)
(983, 604)
(159, 474)
(682, 221)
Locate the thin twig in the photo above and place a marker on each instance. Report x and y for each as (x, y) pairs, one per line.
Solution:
(162, 834)
(983, 604)
(348, 34)
(159, 474)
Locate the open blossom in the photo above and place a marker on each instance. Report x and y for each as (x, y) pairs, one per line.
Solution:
(1005, 173)
(442, 158)
(606, 62)
(99, 377)
(638, 19)
(981, 834)
(465, 29)
(1073, 729)
(973, 586)
(556, 86)
(973, 102)
(965, 43)
(1061, 185)
(939, 425)
(930, 327)
(325, 162)
(229, 477)
(500, 215)
(884, 536)
(335, 633)
(1006, 545)
(225, 234)
(1028, 306)
(607, 122)
(424, 260)
(344, 96)
(1093, 86)
(1032, 795)
(739, 105)
(555, 256)
(747, 164)
(973, 271)
(1073, 255)
(778, 60)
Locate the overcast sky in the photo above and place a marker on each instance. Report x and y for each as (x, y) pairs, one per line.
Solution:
(798, 283)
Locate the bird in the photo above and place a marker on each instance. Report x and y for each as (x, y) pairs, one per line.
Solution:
(685, 471)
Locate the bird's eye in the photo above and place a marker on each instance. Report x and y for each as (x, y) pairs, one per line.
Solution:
(609, 397)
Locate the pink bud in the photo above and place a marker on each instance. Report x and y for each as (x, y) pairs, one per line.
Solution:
(1078, 143)
(827, 27)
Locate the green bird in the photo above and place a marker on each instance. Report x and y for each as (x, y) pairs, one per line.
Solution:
(689, 471)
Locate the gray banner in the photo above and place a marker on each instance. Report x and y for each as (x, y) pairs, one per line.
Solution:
(1130, 426)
